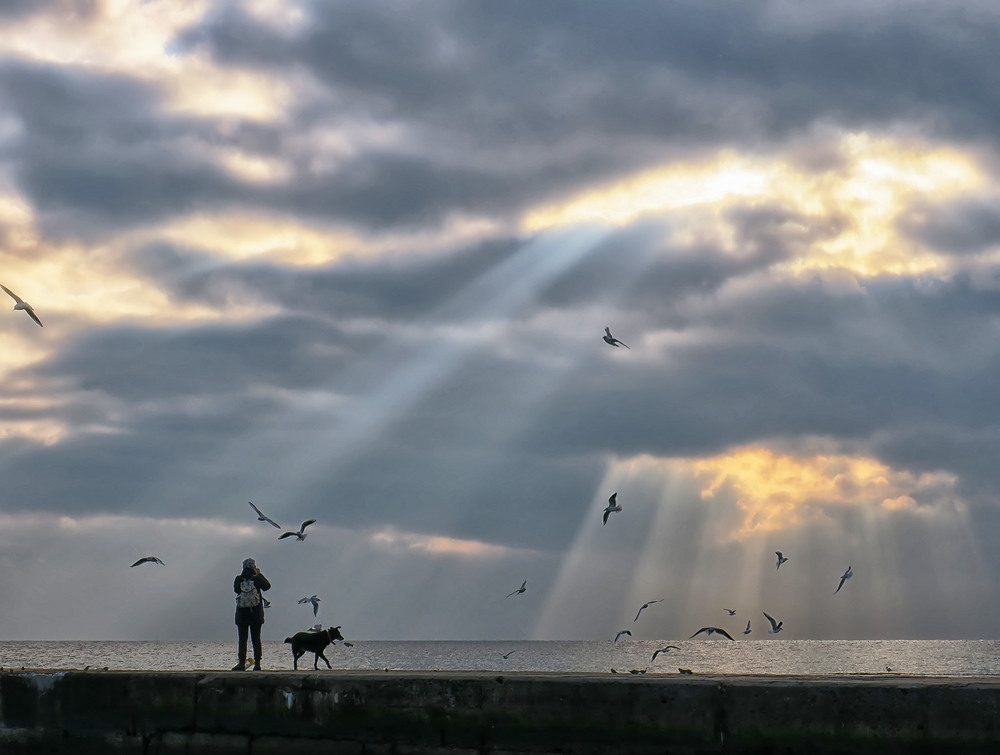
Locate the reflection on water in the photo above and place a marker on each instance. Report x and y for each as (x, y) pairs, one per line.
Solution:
(706, 656)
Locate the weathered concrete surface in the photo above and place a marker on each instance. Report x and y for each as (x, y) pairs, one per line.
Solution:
(365, 713)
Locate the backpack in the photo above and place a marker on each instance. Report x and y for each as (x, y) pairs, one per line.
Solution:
(249, 596)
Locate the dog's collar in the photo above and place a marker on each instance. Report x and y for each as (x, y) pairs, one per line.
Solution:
(328, 635)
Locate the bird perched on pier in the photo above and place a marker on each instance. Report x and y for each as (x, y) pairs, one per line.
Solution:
(610, 339)
(301, 534)
(612, 506)
(149, 560)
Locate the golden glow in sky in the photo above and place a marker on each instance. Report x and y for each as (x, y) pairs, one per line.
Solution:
(437, 545)
(774, 490)
(873, 181)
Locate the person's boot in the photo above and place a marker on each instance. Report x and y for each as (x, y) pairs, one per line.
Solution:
(241, 666)
(256, 665)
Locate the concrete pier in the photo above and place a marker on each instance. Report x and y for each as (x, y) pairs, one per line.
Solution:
(284, 712)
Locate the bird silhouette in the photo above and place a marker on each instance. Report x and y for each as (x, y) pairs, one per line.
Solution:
(261, 517)
(775, 625)
(667, 649)
(301, 534)
(711, 630)
(645, 606)
(519, 590)
(608, 338)
(314, 599)
(846, 576)
(149, 560)
(612, 506)
(20, 303)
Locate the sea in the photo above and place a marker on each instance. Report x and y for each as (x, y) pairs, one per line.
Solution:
(928, 658)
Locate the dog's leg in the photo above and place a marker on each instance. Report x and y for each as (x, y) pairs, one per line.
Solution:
(321, 655)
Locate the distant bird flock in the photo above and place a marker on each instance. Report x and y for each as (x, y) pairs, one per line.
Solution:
(613, 507)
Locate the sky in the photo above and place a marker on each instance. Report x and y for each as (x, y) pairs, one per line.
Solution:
(353, 261)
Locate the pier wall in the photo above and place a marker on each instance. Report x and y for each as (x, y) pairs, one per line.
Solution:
(382, 713)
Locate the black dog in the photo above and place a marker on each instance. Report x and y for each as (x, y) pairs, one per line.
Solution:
(314, 642)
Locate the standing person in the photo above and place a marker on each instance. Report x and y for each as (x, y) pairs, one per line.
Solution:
(249, 611)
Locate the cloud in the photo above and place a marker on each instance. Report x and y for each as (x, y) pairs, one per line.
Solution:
(969, 226)
(353, 262)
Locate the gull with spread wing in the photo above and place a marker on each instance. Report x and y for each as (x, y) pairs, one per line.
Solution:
(20, 303)
(301, 534)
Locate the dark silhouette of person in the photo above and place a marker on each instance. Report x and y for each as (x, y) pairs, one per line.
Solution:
(249, 611)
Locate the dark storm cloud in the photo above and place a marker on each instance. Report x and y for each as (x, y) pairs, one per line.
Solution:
(535, 71)
(798, 361)
(115, 472)
(504, 107)
(402, 290)
(422, 286)
(96, 151)
(499, 108)
(476, 456)
(133, 364)
(970, 226)
(76, 9)
(179, 403)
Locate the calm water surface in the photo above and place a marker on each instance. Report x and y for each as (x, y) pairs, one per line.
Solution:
(708, 656)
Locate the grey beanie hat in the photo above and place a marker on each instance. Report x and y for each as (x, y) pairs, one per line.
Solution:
(249, 563)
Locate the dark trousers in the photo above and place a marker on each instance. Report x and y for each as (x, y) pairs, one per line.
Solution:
(254, 631)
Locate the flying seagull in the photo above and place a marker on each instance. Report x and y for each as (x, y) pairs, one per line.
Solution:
(20, 303)
(509, 654)
(711, 630)
(781, 560)
(624, 631)
(645, 605)
(608, 338)
(846, 576)
(315, 602)
(667, 649)
(149, 559)
(747, 630)
(730, 611)
(612, 506)
(301, 534)
(519, 590)
(775, 625)
(262, 518)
